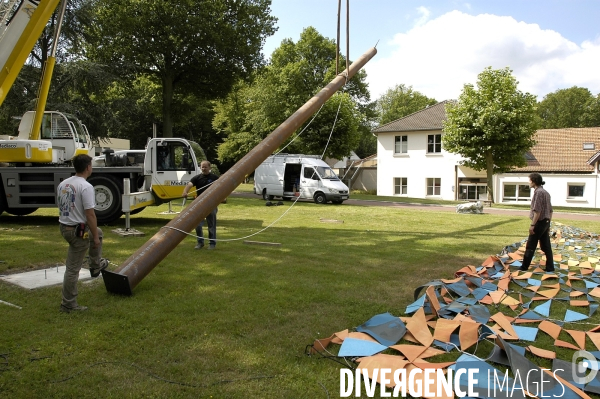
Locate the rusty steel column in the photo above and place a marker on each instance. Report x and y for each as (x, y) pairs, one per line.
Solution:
(140, 264)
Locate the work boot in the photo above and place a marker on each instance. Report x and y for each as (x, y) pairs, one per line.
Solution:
(199, 246)
(103, 264)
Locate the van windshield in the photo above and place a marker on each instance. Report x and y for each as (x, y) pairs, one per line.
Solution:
(326, 172)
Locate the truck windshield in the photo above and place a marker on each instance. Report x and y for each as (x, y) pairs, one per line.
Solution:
(326, 172)
(79, 131)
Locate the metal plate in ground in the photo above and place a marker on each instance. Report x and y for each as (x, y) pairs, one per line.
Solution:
(42, 278)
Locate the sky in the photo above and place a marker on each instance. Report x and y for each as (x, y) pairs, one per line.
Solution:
(438, 46)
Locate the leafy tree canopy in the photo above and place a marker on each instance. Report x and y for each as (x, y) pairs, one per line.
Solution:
(297, 71)
(190, 46)
(491, 126)
(399, 102)
(567, 108)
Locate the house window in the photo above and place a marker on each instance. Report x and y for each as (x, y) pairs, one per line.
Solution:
(575, 190)
(516, 192)
(473, 192)
(400, 185)
(401, 145)
(434, 143)
(433, 185)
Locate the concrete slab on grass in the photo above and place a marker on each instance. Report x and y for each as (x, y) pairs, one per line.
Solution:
(43, 278)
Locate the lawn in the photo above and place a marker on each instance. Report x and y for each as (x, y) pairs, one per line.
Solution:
(233, 322)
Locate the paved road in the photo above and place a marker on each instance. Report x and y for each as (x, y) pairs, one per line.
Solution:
(448, 208)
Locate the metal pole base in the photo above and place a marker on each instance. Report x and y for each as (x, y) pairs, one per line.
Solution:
(116, 283)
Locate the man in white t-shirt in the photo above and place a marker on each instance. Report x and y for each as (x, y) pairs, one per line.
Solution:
(76, 200)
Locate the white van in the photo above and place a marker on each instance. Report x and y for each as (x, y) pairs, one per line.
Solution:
(306, 176)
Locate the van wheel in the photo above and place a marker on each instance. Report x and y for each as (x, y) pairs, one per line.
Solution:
(108, 198)
(287, 198)
(267, 197)
(320, 198)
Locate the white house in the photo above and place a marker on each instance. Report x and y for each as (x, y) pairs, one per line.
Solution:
(412, 163)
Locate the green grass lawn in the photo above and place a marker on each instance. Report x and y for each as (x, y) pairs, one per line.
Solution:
(234, 322)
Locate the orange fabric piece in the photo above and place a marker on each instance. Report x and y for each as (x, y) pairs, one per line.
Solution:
(468, 335)
(426, 365)
(410, 338)
(595, 292)
(549, 276)
(340, 336)
(504, 323)
(381, 361)
(417, 325)
(504, 281)
(489, 261)
(579, 303)
(429, 352)
(550, 328)
(586, 265)
(486, 300)
(595, 337)
(575, 293)
(523, 276)
(444, 328)
(433, 301)
(510, 301)
(578, 337)
(546, 354)
(549, 293)
(320, 345)
(411, 352)
(359, 335)
(564, 344)
(515, 256)
(497, 296)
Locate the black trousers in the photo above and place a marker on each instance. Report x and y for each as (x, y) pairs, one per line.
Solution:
(541, 234)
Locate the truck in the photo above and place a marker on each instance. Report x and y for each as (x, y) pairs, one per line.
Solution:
(156, 174)
(297, 175)
(33, 163)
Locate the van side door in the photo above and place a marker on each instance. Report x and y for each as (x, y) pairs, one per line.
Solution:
(310, 182)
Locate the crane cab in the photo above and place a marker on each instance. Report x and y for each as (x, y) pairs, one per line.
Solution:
(62, 137)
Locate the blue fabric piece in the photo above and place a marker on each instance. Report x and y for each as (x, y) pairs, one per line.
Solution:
(385, 328)
(527, 293)
(516, 263)
(479, 313)
(467, 300)
(460, 288)
(593, 308)
(455, 307)
(596, 354)
(591, 284)
(416, 305)
(520, 283)
(532, 281)
(445, 346)
(519, 349)
(490, 287)
(477, 281)
(480, 293)
(529, 315)
(352, 347)
(526, 333)
(544, 308)
(574, 316)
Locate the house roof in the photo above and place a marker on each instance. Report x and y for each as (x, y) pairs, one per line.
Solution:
(562, 150)
(430, 118)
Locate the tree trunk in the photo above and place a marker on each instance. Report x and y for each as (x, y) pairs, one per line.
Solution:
(489, 159)
(167, 99)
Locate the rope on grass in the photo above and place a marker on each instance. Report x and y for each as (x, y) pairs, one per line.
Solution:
(153, 375)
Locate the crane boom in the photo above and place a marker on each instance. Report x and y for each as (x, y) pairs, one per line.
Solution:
(19, 37)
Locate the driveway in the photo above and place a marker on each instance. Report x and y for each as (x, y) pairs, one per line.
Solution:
(446, 208)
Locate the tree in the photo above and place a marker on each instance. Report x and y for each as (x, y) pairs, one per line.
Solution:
(297, 71)
(188, 46)
(564, 108)
(591, 115)
(492, 127)
(401, 101)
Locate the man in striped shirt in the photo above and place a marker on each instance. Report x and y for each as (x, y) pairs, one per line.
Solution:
(539, 229)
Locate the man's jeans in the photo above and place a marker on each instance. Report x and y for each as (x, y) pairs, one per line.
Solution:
(77, 248)
(211, 220)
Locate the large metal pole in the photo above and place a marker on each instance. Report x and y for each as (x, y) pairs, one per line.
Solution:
(140, 264)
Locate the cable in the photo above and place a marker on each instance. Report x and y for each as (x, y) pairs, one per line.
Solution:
(305, 127)
(241, 238)
(333, 127)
